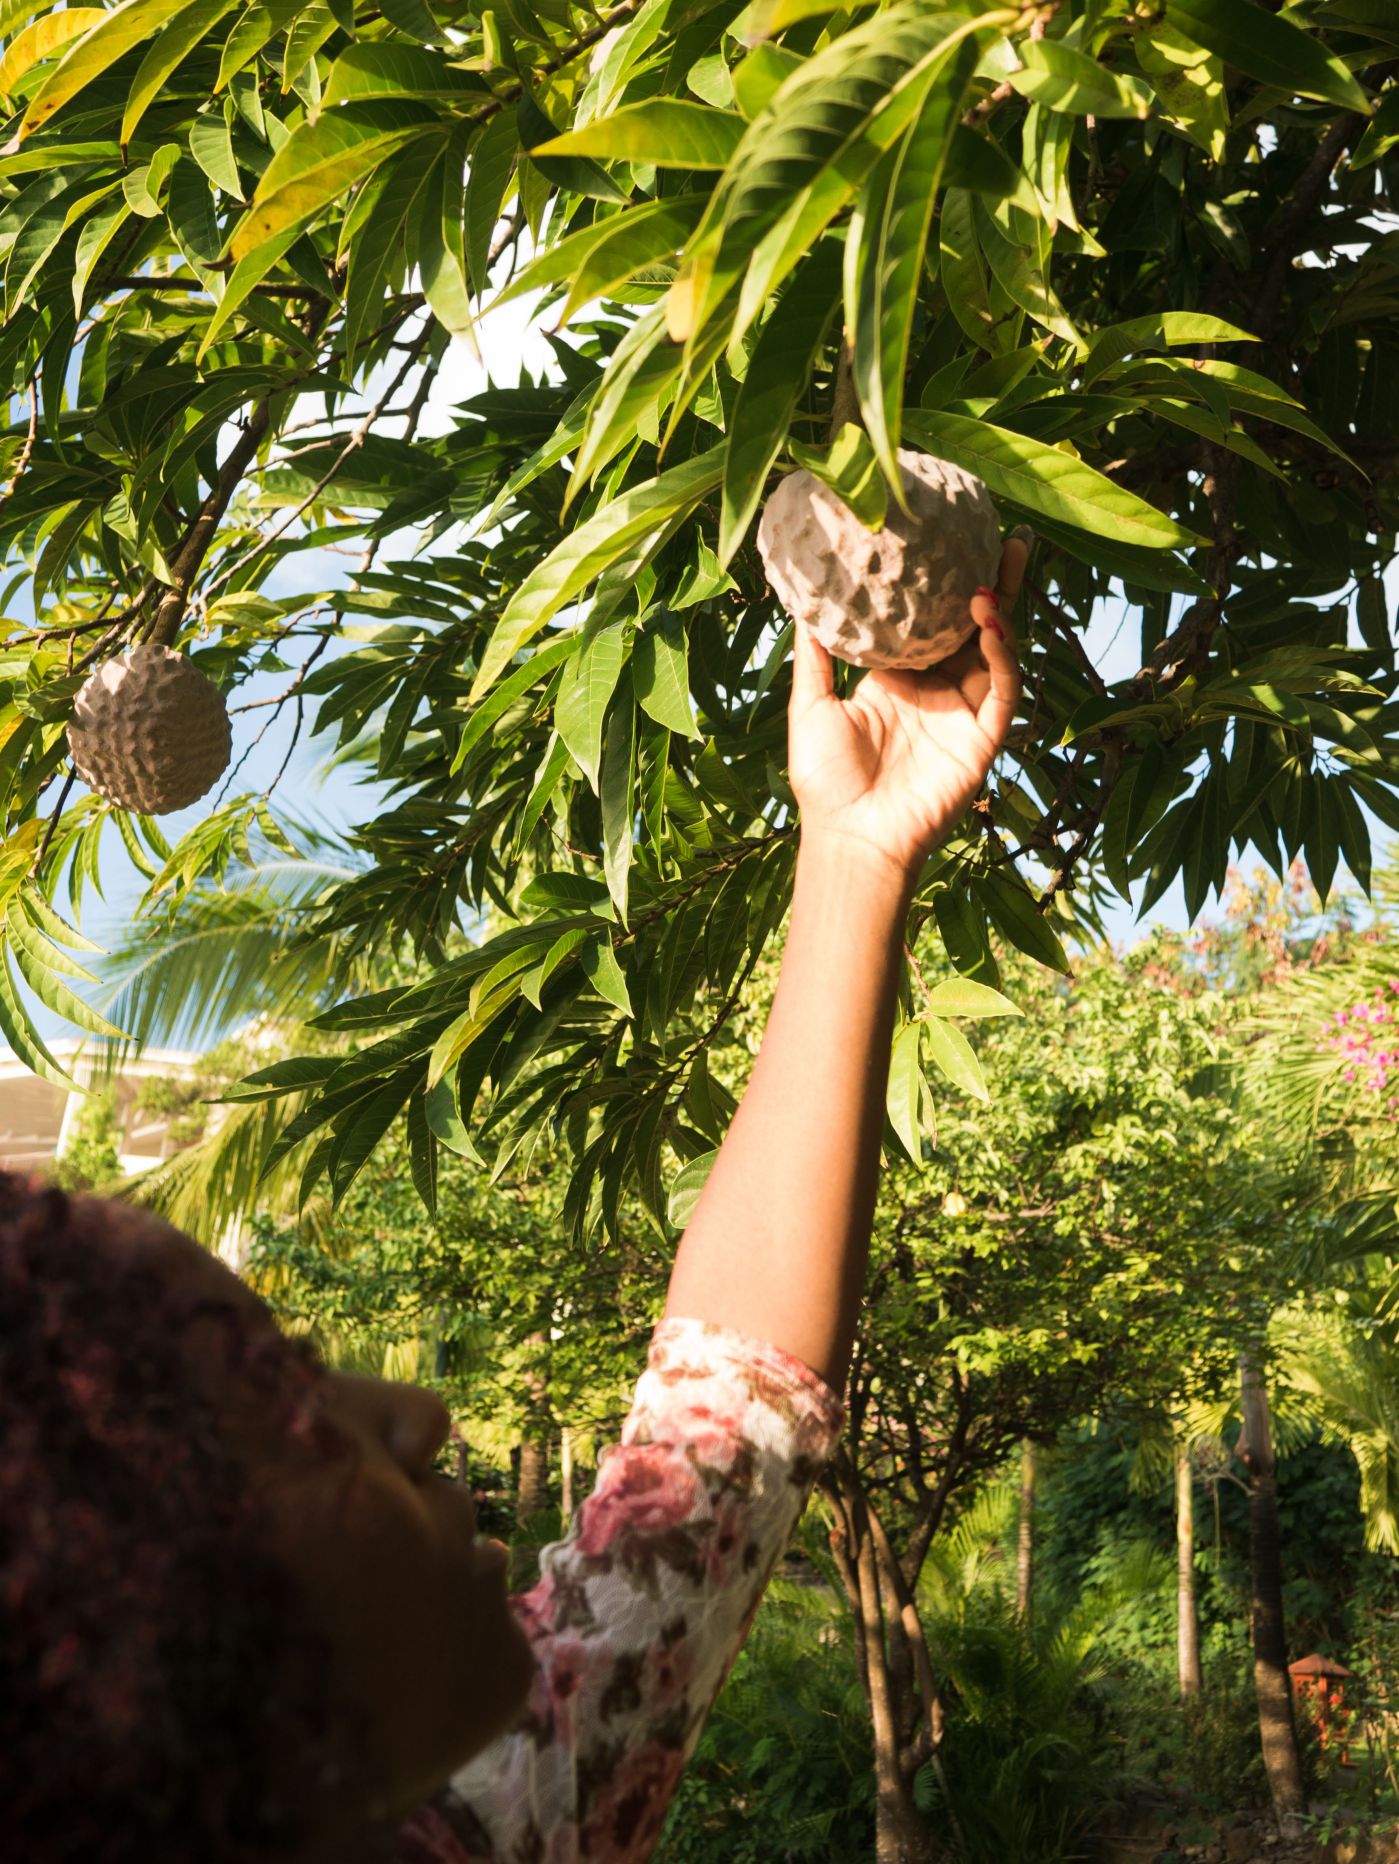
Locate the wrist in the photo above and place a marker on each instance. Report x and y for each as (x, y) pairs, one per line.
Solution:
(858, 868)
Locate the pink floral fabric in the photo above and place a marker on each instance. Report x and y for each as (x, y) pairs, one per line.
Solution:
(640, 1612)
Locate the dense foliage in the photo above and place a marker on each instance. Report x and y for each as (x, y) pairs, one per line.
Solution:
(1125, 262)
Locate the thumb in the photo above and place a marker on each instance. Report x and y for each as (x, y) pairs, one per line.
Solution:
(813, 670)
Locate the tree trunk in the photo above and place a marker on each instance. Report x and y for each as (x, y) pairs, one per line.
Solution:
(565, 1475)
(889, 1672)
(532, 1473)
(1272, 1685)
(1025, 1538)
(1187, 1619)
(532, 1485)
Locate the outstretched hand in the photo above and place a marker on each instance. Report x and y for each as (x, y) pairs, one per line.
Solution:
(890, 770)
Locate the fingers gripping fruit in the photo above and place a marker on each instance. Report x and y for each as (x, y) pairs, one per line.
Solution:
(892, 598)
(149, 731)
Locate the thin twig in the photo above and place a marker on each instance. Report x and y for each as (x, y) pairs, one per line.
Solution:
(355, 441)
(1062, 622)
(295, 739)
(179, 281)
(54, 819)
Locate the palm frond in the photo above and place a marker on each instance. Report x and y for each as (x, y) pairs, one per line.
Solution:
(229, 954)
(1349, 1370)
(211, 1188)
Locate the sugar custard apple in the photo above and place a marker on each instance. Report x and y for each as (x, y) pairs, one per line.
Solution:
(892, 598)
(149, 731)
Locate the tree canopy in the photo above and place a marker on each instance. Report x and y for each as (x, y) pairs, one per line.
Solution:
(1127, 262)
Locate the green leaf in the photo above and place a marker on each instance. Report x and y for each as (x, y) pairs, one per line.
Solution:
(563, 893)
(960, 996)
(778, 370)
(563, 947)
(320, 161)
(1268, 47)
(1142, 569)
(642, 516)
(252, 29)
(392, 201)
(422, 1153)
(439, 247)
(1157, 331)
(1062, 78)
(36, 960)
(492, 160)
(665, 132)
(1015, 915)
(18, 1030)
(573, 172)
(618, 805)
(962, 930)
(508, 691)
(907, 1089)
(309, 31)
(386, 69)
(963, 271)
(1189, 85)
(955, 1056)
(585, 692)
(761, 75)
(187, 30)
(211, 145)
(51, 923)
(642, 376)
(360, 1131)
(1042, 479)
(97, 234)
(848, 466)
(1020, 263)
(599, 257)
(705, 580)
(977, 163)
(245, 276)
(686, 1187)
(806, 155)
(599, 965)
(142, 186)
(414, 19)
(189, 210)
(884, 255)
(661, 678)
(1378, 140)
(102, 45)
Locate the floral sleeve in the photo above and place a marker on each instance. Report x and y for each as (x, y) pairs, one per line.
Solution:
(639, 1613)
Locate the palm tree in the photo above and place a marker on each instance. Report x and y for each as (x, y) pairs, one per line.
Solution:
(246, 961)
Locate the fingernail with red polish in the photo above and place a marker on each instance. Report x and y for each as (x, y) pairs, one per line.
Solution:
(990, 595)
(996, 628)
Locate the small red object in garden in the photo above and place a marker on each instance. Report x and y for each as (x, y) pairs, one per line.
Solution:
(1319, 1681)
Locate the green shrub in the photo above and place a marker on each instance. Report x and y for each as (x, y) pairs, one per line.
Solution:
(784, 1770)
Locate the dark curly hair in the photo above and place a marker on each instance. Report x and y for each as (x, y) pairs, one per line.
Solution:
(162, 1696)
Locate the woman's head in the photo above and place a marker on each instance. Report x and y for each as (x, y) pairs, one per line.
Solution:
(239, 1614)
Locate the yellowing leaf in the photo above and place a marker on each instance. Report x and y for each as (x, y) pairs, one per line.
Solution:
(39, 40)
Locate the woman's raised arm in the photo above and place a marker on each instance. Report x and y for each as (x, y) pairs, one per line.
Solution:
(777, 1245)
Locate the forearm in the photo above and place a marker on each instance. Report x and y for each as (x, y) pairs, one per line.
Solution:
(778, 1243)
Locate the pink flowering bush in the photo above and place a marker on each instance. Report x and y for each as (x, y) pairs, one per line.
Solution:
(1366, 1038)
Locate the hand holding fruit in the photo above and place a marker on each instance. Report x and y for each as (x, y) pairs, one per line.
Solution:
(890, 770)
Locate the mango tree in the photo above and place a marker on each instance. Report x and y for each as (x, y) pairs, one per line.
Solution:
(1124, 260)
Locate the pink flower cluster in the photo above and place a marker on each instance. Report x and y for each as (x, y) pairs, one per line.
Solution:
(1366, 1037)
